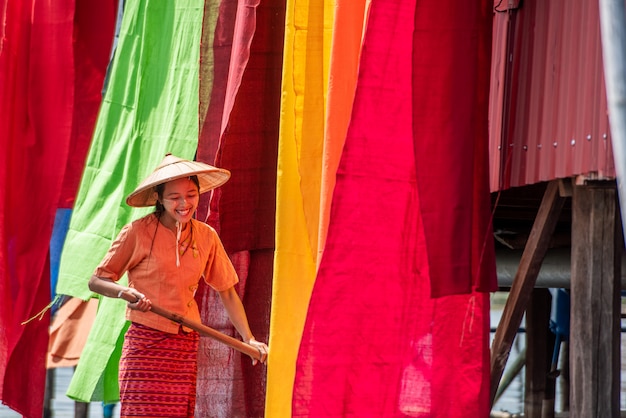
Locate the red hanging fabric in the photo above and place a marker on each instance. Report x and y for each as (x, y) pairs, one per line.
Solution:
(451, 69)
(36, 73)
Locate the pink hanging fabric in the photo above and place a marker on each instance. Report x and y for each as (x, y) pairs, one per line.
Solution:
(36, 96)
(375, 343)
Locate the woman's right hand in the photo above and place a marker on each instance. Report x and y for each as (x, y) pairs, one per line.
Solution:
(142, 303)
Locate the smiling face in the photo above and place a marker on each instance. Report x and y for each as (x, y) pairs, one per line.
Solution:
(179, 199)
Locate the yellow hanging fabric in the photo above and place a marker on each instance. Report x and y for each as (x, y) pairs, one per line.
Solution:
(308, 26)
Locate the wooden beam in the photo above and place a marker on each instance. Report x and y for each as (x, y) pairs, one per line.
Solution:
(595, 302)
(524, 281)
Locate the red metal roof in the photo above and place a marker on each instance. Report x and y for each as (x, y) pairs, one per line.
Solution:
(548, 110)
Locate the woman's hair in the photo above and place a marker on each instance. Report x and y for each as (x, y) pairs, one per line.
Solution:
(159, 188)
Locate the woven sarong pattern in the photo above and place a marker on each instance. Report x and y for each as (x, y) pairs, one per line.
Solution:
(158, 373)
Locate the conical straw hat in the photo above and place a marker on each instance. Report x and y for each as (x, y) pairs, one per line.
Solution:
(172, 168)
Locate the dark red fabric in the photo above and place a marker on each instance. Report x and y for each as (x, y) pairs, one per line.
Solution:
(94, 26)
(36, 78)
(451, 69)
(228, 384)
(243, 210)
(213, 85)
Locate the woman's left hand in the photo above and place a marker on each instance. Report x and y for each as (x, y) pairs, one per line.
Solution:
(263, 350)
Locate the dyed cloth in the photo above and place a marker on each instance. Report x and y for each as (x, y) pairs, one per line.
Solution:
(38, 61)
(148, 252)
(69, 330)
(247, 38)
(300, 148)
(158, 373)
(451, 141)
(375, 342)
(92, 39)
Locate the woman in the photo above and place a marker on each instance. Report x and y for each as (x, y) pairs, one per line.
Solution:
(165, 254)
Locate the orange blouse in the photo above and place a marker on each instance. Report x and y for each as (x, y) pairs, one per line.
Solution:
(147, 251)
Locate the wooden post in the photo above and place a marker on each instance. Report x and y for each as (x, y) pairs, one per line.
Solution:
(595, 302)
(524, 281)
(81, 409)
(539, 386)
(564, 381)
(49, 393)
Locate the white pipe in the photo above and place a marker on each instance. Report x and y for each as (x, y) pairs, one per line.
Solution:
(613, 36)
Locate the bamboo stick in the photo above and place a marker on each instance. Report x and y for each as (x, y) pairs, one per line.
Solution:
(200, 328)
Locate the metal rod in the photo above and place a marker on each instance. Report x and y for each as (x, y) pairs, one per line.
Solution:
(613, 37)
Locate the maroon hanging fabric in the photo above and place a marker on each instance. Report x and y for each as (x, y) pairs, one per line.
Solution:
(451, 69)
(215, 60)
(94, 26)
(243, 210)
(36, 73)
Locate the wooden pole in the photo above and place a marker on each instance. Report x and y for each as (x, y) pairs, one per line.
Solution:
(200, 328)
(524, 281)
(49, 393)
(539, 384)
(595, 302)
(511, 373)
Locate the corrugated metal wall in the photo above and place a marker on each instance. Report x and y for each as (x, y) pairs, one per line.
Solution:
(548, 111)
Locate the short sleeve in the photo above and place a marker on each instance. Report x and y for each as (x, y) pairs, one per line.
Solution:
(220, 273)
(121, 257)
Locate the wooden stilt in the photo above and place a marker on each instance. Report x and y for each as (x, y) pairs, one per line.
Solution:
(81, 410)
(511, 373)
(48, 394)
(539, 384)
(524, 281)
(564, 383)
(595, 302)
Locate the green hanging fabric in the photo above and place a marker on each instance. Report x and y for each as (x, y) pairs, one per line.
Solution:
(150, 108)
